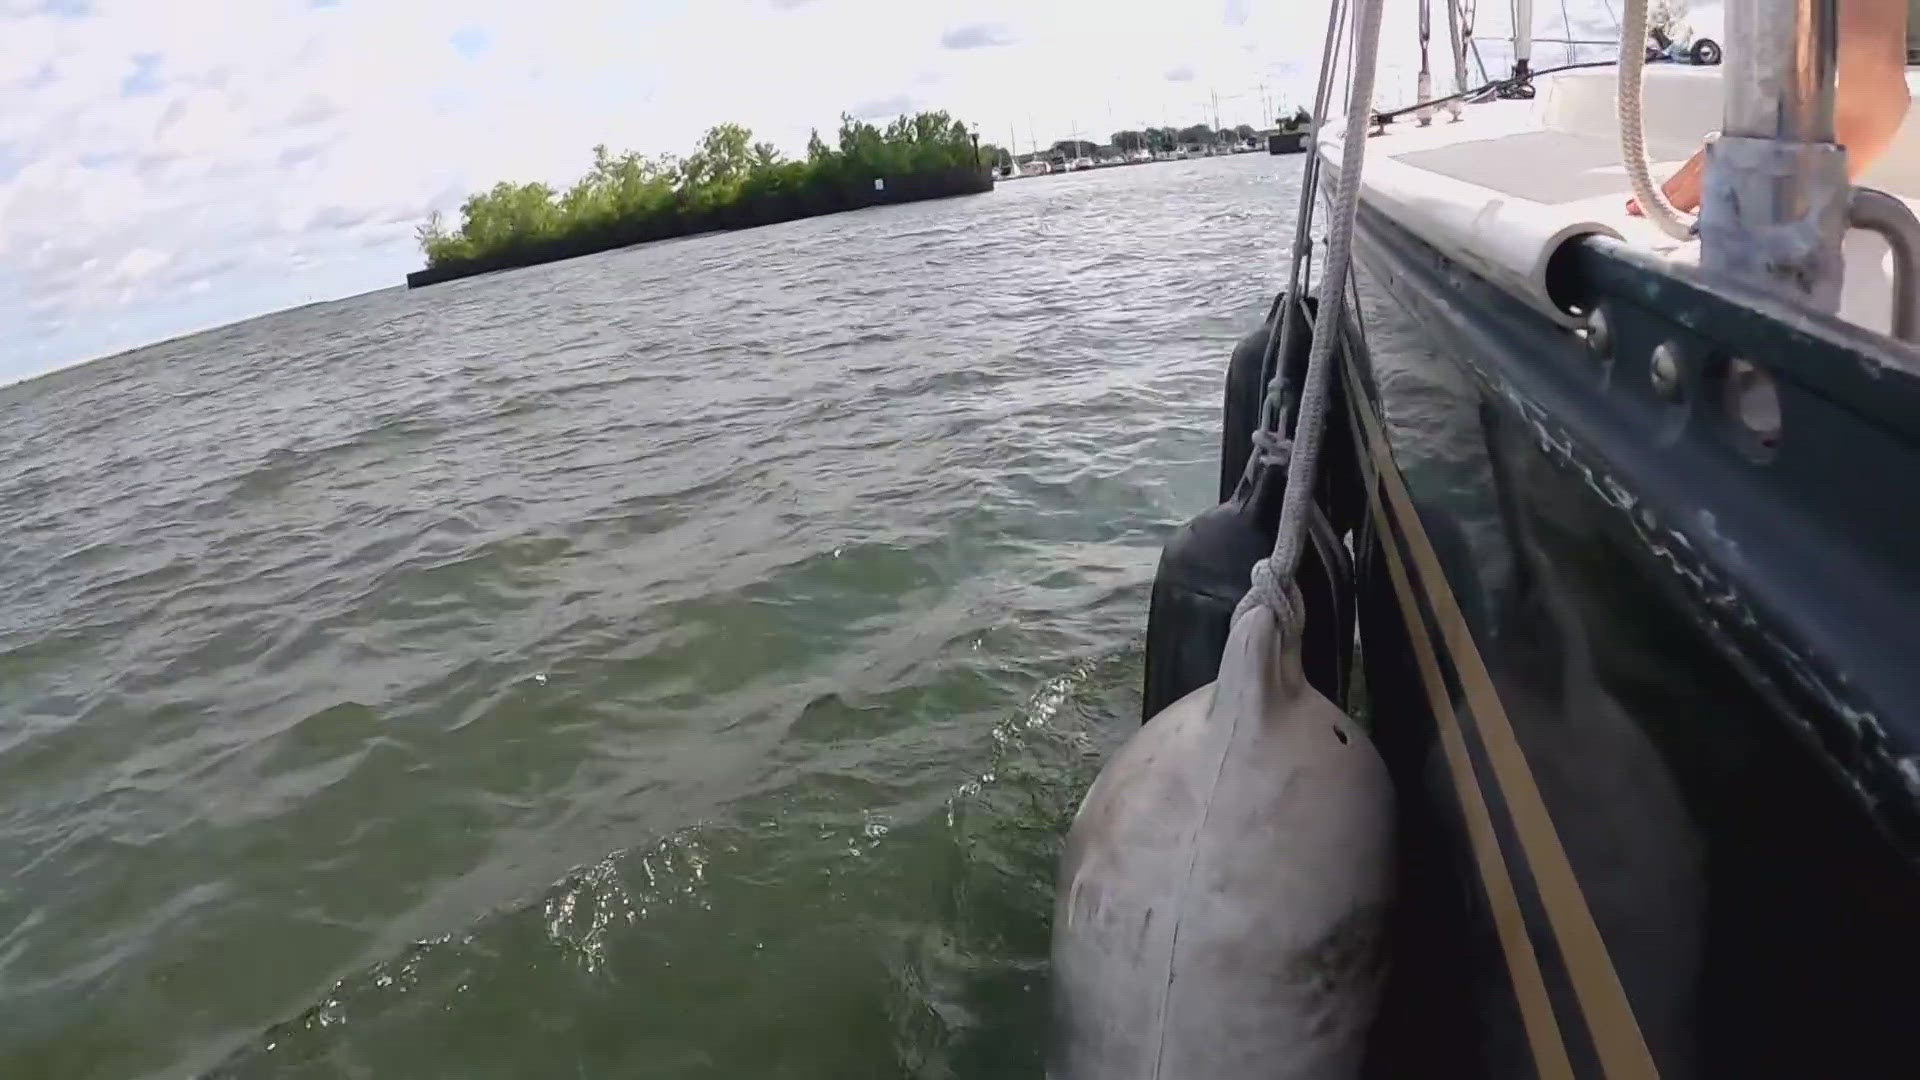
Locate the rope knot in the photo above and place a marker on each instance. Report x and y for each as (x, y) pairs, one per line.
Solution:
(1282, 598)
(1272, 448)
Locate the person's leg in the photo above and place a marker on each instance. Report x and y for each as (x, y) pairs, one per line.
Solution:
(1870, 93)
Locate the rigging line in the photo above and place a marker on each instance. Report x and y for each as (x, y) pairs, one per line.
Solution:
(1615, 41)
(1469, 10)
(1491, 85)
(1280, 337)
(1425, 84)
(1273, 583)
(1456, 57)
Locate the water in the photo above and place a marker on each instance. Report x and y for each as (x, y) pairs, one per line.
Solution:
(677, 662)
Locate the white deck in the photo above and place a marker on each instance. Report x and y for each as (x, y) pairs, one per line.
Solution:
(1504, 186)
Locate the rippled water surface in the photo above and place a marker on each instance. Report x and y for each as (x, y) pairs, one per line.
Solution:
(676, 662)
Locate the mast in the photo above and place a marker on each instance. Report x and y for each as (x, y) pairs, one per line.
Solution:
(1775, 198)
(1523, 36)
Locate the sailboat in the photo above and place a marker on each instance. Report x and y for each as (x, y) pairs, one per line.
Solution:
(1609, 562)
(1012, 169)
(1035, 165)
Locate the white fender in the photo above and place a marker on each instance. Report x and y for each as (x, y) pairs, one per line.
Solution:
(1224, 889)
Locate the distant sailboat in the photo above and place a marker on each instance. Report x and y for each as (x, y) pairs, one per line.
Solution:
(1035, 165)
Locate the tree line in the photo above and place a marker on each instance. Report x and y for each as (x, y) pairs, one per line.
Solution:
(728, 173)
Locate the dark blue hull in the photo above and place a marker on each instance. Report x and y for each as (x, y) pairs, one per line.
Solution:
(1641, 670)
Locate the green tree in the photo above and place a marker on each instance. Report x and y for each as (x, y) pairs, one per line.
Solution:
(724, 158)
(858, 139)
(509, 215)
(431, 231)
(1128, 141)
(1198, 134)
(1243, 132)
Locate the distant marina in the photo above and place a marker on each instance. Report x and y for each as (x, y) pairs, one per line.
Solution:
(1143, 147)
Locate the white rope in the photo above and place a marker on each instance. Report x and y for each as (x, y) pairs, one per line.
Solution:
(1633, 136)
(1273, 583)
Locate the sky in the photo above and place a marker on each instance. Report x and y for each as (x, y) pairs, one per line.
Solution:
(172, 165)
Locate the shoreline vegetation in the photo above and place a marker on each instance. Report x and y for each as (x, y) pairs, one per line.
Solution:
(728, 182)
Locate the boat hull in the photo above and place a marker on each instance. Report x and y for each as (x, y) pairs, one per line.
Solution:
(1287, 142)
(1635, 835)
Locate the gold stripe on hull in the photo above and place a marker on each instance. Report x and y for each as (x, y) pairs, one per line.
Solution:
(1608, 1016)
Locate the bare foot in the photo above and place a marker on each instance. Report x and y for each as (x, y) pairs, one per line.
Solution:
(1682, 188)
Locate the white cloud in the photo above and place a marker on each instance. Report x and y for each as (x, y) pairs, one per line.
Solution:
(136, 265)
(170, 164)
(977, 36)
